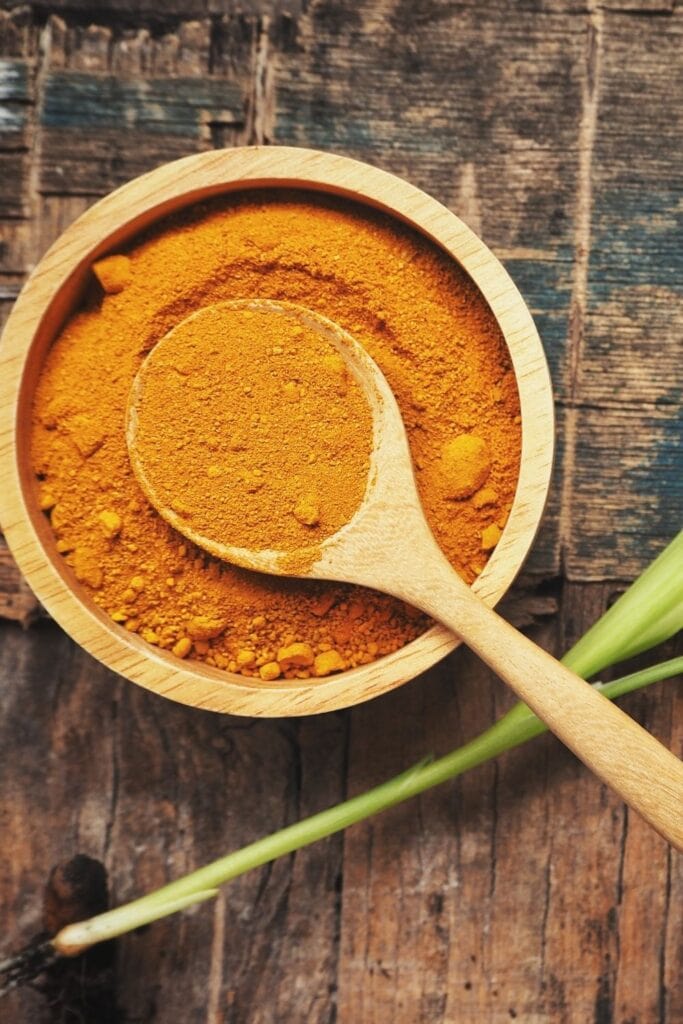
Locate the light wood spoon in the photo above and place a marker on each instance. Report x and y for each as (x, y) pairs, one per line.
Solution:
(389, 546)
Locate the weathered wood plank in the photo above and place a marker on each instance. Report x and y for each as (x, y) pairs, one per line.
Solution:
(17, 601)
(485, 896)
(647, 945)
(151, 10)
(15, 100)
(154, 789)
(460, 99)
(626, 496)
(511, 894)
(16, 248)
(13, 171)
(403, 872)
(22, 242)
(642, 7)
(99, 129)
(15, 93)
(155, 12)
(17, 35)
(633, 452)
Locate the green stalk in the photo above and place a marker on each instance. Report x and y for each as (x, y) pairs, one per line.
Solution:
(511, 731)
(647, 614)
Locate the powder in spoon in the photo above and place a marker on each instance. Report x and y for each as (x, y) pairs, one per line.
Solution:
(247, 429)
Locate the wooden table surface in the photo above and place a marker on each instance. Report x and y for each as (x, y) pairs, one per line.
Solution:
(525, 890)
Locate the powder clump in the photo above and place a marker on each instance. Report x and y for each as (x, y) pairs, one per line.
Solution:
(113, 273)
(465, 465)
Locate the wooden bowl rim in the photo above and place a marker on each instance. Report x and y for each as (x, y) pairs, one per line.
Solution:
(123, 214)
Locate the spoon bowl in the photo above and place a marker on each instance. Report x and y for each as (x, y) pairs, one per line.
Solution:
(389, 443)
(388, 545)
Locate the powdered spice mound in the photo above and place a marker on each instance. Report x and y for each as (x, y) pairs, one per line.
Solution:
(418, 315)
(247, 429)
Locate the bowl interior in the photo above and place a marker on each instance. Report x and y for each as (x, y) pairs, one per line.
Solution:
(57, 288)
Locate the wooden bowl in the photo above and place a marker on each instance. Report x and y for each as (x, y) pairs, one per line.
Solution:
(54, 290)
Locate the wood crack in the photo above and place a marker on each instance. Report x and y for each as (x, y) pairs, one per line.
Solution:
(662, 962)
(261, 115)
(113, 791)
(582, 237)
(615, 968)
(215, 980)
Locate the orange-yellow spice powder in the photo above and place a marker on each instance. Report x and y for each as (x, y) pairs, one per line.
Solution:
(420, 318)
(247, 430)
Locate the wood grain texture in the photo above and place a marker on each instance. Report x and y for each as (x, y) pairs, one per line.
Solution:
(114, 108)
(17, 600)
(628, 376)
(502, 897)
(521, 887)
(154, 793)
(523, 891)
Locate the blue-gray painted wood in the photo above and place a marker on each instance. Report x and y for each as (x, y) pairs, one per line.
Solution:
(99, 131)
(16, 95)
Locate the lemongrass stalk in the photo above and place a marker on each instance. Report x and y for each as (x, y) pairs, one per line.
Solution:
(74, 939)
(511, 731)
(645, 615)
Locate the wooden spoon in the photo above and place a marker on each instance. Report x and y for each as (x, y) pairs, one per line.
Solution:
(388, 546)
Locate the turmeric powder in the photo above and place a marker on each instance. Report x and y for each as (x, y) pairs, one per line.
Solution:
(421, 319)
(247, 429)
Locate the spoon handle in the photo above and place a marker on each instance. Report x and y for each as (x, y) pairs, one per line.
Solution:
(644, 773)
